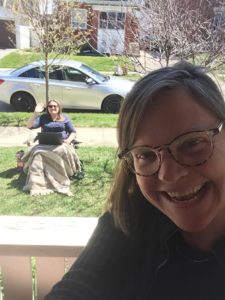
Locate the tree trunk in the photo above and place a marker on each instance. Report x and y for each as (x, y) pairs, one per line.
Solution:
(46, 79)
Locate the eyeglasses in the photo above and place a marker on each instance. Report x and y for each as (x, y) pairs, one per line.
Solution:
(190, 149)
(52, 106)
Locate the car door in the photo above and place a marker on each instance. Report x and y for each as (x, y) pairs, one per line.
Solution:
(33, 82)
(56, 83)
(77, 93)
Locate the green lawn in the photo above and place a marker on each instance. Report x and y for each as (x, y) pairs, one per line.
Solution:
(102, 63)
(89, 193)
(78, 119)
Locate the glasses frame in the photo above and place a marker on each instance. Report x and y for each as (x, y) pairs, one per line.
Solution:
(52, 106)
(157, 149)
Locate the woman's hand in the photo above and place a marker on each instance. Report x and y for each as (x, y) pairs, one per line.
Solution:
(70, 138)
(39, 107)
(66, 142)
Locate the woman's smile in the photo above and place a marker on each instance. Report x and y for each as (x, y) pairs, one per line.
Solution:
(191, 194)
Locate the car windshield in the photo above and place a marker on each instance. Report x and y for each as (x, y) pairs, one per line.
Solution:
(92, 73)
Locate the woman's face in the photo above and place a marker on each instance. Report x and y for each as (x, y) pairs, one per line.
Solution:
(53, 108)
(192, 197)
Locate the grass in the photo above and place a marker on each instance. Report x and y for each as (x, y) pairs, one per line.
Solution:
(20, 58)
(89, 193)
(78, 119)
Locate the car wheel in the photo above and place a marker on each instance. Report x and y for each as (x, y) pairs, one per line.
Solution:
(112, 104)
(23, 102)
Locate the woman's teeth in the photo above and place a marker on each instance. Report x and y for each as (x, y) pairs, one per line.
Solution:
(186, 195)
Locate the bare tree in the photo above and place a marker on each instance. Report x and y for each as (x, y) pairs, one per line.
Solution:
(51, 27)
(175, 29)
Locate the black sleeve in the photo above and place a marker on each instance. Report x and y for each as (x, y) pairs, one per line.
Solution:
(100, 270)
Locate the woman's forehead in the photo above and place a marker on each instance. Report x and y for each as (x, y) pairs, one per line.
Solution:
(171, 113)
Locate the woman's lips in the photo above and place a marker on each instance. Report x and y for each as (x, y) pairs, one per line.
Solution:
(188, 195)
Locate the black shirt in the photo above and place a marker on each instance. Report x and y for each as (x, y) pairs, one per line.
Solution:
(190, 274)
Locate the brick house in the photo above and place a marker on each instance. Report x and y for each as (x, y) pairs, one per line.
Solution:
(214, 9)
(111, 25)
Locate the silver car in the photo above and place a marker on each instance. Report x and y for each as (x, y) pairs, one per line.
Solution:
(72, 83)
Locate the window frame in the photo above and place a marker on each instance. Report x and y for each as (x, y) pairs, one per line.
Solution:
(79, 18)
(112, 20)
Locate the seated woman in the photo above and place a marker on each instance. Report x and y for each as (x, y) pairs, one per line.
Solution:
(49, 167)
(52, 121)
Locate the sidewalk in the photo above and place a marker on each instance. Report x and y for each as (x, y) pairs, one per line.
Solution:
(17, 136)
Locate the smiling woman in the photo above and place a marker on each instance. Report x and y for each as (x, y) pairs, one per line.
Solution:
(163, 234)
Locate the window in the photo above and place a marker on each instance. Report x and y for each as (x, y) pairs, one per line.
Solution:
(219, 17)
(72, 74)
(79, 18)
(103, 19)
(56, 73)
(120, 20)
(112, 20)
(33, 73)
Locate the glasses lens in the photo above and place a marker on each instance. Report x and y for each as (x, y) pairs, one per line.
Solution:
(192, 149)
(143, 161)
(52, 106)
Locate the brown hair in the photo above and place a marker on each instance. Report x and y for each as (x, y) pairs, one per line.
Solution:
(124, 198)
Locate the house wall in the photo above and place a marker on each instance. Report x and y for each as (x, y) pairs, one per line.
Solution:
(124, 36)
(7, 37)
(6, 14)
(206, 6)
(94, 27)
(131, 29)
(22, 37)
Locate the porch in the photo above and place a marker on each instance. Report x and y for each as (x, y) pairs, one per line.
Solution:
(35, 252)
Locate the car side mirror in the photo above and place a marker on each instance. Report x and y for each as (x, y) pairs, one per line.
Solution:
(89, 80)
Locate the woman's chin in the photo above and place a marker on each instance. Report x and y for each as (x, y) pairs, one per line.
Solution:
(193, 226)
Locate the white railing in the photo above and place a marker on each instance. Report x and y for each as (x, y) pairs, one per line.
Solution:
(35, 252)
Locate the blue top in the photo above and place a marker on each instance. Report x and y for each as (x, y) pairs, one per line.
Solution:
(47, 125)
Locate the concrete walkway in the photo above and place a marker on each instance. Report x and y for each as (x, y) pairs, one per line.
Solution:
(18, 136)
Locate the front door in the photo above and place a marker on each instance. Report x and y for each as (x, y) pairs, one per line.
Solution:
(111, 33)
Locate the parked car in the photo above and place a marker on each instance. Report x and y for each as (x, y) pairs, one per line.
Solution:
(88, 50)
(73, 83)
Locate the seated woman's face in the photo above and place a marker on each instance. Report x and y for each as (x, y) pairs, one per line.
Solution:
(192, 197)
(53, 107)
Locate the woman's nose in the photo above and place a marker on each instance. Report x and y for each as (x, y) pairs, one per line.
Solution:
(170, 170)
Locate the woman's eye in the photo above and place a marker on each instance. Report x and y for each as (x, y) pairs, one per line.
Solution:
(193, 145)
(146, 156)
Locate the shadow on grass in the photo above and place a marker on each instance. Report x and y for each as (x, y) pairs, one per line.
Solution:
(93, 180)
(18, 177)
